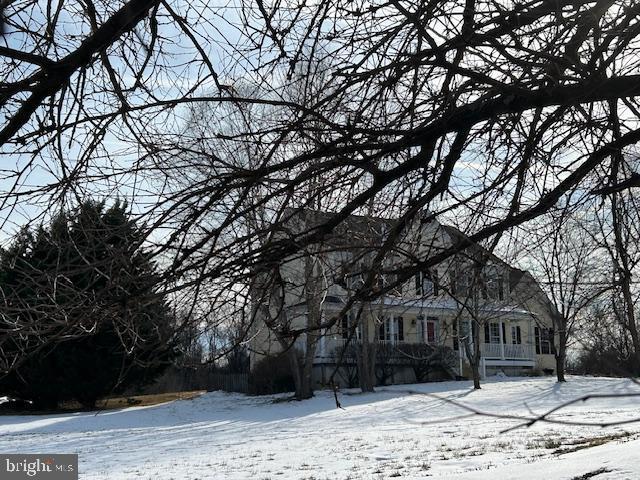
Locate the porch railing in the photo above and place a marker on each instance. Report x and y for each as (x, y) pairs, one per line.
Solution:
(507, 351)
(328, 345)
(490, 351)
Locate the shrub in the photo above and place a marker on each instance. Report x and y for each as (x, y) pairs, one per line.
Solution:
(271, 375)
(429, 362)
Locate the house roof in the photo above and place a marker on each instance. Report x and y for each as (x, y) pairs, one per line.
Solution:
(353, 231)
(457, 235)
(372, 230)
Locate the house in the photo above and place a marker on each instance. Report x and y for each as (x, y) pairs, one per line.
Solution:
(420, 328)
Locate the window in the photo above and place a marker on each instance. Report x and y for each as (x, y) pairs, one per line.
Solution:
(463, 333)
(516, 335)
(461, 286)
(426, 284)
(544, 340)
(493, 285)
(354, 280)
(346, 327)
(495, 288)
(431, 331)
(392, 330)
(492, 332)
(382, 281)
(399, 329)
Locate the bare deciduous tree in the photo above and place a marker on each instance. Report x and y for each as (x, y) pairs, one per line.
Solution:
(564, 255)
(484, 110)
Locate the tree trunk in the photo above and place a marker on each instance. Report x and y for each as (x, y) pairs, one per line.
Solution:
(301, 381)
(366, 359)
(301, 369)
(475, 365)
(477, 356)
(561, 354)
(302, 384)
(475, 372)
(307, 368)
(313, 294)
(560, 369)
(474, 357)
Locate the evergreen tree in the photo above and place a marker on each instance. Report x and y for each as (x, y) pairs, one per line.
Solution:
(81, 293)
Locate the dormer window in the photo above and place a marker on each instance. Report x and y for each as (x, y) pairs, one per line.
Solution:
(494, 285)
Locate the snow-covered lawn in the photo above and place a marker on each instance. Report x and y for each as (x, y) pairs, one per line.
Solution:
(395, 432)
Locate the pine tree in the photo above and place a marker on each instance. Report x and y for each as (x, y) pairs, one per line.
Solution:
(81, 294)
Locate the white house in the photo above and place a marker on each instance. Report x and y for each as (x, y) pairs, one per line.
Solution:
(434, 311)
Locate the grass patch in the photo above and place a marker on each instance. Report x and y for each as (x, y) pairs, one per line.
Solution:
(135, 400)
(589, 475)
(582, 443)
(548, 443)
(113, 403)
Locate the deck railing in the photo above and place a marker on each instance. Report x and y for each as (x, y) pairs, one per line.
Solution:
(329, 344)
(507, 351)
(490, 351)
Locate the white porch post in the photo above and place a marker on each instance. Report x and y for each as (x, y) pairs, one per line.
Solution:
(501, 328)
(530, 340)
(483, 368)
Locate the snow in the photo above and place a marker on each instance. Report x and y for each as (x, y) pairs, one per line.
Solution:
(404, 431)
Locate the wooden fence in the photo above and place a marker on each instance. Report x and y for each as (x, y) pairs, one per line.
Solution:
(228, 382)
(199, 378)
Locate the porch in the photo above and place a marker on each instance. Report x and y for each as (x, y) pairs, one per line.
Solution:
(506, 342)
(493, 354)
(330, 346)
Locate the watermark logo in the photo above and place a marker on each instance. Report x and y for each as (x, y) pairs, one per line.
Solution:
(35, 467)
